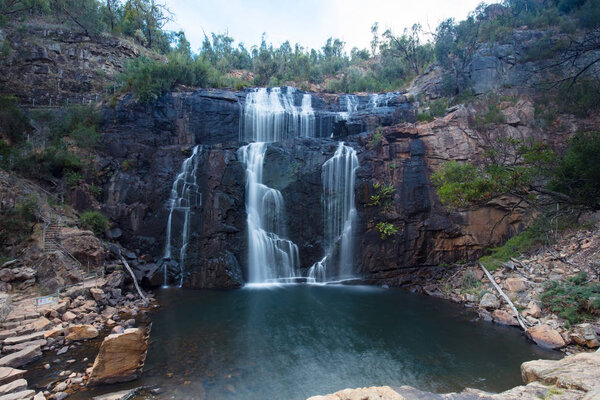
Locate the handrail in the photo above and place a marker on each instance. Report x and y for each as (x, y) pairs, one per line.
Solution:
(66, 252)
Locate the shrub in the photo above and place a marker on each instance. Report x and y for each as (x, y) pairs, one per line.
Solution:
(16, 222)
(13, 123)
(383, 195)
(94, 221)
(386, 229)
(575, 300)
(577, 174)
(515, 246)
(73, 178)
(52, 161)
(376, 139)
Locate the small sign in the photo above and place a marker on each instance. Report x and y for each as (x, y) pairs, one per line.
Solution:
(42, 301)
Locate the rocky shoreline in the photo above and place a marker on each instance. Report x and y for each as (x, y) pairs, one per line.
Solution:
(82, 314)
(575, 377)
(524, 280)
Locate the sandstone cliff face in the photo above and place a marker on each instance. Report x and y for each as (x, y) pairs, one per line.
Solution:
(144, 146)
(50, 65)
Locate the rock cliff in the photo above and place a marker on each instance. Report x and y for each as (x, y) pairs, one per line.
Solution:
(144, 146)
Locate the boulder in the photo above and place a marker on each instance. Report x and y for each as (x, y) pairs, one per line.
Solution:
(585, 335)
(54, 333)
(82, 332)
(544, 336)
(489, 301)
(371, 393)
(20, 358)
(121, 357)
(579, 371)
(40, 324)
(98, 294)
(504, 318)
(515, 285)
(532, 310)
(68, 316)
(84, 246)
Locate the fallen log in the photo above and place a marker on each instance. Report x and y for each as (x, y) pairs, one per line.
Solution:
(504, 296)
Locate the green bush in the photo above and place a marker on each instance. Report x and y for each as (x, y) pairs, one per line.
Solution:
(513, 247)
(16, 222)
(383, 195)
(376, 139)
(575, 300)
(386, 229)
(14, 124)
(52, 161)
(94, 221)
(73, 178)
(577, 173)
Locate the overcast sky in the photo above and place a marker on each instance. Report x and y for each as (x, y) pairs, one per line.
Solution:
(309, 22)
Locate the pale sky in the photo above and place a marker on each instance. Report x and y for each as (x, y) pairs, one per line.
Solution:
(309, 22)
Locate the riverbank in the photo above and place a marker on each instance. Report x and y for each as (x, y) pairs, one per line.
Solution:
(55, 345)
(575, 377)
(546, 287)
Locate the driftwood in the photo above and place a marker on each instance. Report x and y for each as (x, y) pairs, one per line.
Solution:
(510, 303)
(134, 279)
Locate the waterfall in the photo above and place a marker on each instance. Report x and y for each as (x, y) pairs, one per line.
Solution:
(351, 103)
(271, 115)
(270, 256)
(338, 177)
(185, 197)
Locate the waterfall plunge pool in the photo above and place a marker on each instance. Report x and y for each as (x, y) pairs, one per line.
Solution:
(296, 341)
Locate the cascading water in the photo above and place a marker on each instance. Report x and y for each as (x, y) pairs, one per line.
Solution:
(271, 257)
(351, 103)
(338, 177)
(185, 197)
(271, 115)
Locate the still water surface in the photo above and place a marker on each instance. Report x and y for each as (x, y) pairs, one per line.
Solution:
(297, 341)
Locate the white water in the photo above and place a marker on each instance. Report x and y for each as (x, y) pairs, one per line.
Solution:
(185, 196)
(271, 257)
(351, 103)
(271, 115)
(338, 178)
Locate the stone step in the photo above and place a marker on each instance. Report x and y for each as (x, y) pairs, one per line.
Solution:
(25, 338)
(18, 385)
(20, 358)
(23, 395)
(8, 326)
(21, 316)
(20, 346)
(8, 374)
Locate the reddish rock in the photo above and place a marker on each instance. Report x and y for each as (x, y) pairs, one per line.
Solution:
(544, 336)
(503, 318)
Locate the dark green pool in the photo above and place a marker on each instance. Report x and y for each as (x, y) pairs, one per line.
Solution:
(297, 341)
